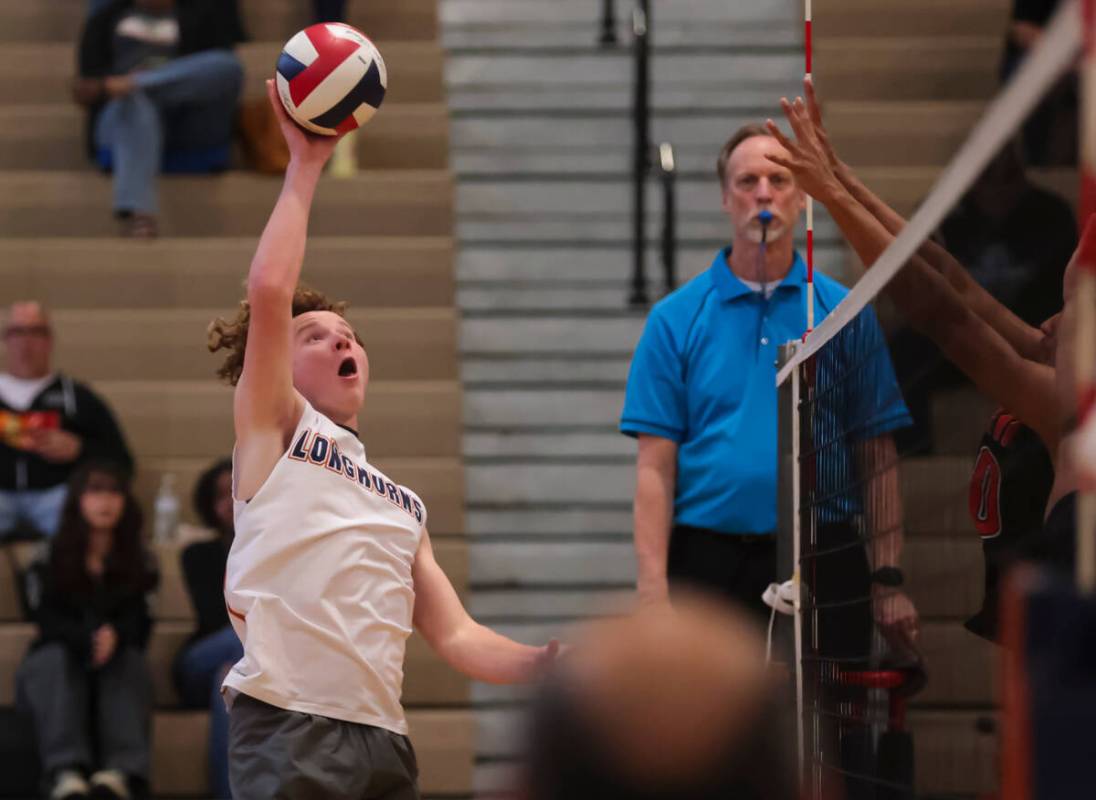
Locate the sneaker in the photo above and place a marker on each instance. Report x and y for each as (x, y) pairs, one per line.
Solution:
(109, 784)
(69, 785)
(139, 226)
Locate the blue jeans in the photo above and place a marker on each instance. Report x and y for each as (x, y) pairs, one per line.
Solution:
(199, 670)
(187, 104)
(40, 507)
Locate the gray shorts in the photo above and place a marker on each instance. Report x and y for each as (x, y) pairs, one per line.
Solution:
(275, 754)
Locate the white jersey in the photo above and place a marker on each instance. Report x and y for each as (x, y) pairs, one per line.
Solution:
(318, 582)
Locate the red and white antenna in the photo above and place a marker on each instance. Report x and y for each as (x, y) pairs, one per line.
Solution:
(810, 202)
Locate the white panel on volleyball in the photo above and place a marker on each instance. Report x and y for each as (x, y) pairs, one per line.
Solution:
(302, 49)
(333, 88)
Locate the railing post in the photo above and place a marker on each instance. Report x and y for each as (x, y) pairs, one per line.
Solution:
(608, 34)
(668, 171)
(641, 150)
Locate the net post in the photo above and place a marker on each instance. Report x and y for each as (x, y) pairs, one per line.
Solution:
(789, 526)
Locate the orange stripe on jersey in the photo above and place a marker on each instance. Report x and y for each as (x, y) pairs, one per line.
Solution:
(235, 613)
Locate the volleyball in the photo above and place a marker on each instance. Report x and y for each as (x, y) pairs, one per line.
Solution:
(331, 78)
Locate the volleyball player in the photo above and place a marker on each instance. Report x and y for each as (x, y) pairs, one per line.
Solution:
(1022, 476)
(331, 563)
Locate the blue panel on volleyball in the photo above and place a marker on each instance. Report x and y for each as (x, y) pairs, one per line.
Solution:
(289, 67)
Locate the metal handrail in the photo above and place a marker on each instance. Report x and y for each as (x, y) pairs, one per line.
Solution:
(668, 176)
(642, 162)
(608, 33)
(641, 147)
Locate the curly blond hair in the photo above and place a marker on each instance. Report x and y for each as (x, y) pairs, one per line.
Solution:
(231, 335)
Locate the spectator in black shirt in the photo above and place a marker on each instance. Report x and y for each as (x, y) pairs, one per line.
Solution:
(49, 424)
(201, 665)
(1050, 133)
(88, 599)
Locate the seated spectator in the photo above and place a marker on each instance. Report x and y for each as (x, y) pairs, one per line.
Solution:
(161, 81)
(201, 665)
(1015, 239)
(672, 703)
(49, 423)
(84, 681)
(1050, 132)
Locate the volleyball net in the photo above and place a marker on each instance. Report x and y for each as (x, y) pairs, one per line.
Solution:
(897, 414)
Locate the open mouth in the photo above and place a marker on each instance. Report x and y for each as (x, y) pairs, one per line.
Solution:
(348, 368)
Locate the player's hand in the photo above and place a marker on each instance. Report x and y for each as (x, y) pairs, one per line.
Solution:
(806, 159)
(103, 644)
(304, 147)
(57, 446)
(896, 617)
(548, 655)
(814, 114)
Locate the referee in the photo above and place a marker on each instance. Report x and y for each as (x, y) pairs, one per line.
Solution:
(701, 400)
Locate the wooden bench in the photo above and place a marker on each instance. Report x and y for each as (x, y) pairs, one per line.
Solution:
(107, 273)
(51, 137)
(375, 203)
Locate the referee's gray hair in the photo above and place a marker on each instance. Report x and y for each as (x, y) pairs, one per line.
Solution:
(747, 131)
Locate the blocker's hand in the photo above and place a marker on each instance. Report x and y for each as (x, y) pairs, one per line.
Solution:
(814, 114)
(807, 159)
(304, 147)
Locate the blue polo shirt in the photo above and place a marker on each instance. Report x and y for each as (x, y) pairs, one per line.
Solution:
(704, 376)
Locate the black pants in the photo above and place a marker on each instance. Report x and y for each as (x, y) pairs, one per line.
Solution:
(733, 566)
(276, 754)
(55, 688)
(839, 581)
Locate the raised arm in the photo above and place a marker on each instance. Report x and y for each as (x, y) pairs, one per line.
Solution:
(928, 300)
(464, 644)
(266, 406)
(1022, 337)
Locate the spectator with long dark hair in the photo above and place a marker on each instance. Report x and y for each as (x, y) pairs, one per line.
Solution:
(202, 662)
(85, 681)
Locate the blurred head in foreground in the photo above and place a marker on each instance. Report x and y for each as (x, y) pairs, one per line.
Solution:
(667, 703)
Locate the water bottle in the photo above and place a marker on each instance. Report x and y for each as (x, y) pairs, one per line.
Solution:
(167, 511)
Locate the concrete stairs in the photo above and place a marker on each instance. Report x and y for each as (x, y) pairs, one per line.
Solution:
(131, 317)
(541, 148)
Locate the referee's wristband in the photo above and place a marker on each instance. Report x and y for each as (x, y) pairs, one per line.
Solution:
(888, 576)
